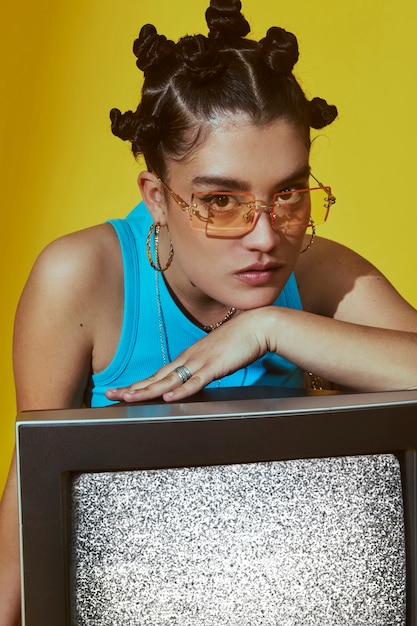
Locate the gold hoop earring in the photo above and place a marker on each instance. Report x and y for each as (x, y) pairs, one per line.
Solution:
(313, 234)
(155, 228)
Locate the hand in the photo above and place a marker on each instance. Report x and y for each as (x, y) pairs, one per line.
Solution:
(228, 348)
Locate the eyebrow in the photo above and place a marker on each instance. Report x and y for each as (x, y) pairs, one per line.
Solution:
(224, 183)
(221, 182)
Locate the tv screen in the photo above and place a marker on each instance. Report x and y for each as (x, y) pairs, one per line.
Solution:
(265, 510)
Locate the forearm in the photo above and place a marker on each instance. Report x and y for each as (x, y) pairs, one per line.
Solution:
(363, 358)
(9, 555)
(9, 597)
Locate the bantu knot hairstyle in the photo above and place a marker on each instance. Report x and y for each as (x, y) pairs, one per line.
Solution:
(198, 79)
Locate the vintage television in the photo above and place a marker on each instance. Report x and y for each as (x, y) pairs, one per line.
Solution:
(240, 509)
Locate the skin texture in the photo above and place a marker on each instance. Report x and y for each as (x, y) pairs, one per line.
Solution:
(69, 318)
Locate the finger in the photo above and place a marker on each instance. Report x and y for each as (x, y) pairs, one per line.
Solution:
(117, 393)
(192, 386)
(146, 390)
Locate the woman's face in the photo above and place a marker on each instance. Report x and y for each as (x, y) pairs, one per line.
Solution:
(250, 270)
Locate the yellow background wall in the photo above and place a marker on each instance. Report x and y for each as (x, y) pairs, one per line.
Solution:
(65, 65)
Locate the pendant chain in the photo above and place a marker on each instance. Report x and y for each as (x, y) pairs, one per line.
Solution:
(163, 335)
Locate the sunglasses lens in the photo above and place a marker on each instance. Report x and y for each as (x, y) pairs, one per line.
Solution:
(223, 214)
(320, 205)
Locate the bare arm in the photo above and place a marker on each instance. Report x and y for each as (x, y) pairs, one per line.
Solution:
(356, 331)
(57, 329)
(9, 554)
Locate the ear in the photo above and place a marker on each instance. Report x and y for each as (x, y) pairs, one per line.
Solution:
(153, 196)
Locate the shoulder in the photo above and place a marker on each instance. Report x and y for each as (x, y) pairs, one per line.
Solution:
(325, 272)
(327, 253)
(85, 249)
(68, 318)
(76, 265)
(335, 281)
(77, 271)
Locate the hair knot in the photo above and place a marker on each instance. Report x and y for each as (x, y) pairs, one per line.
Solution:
(279, 50)
(200, 58)
(321, 113)
(123, 124)
(141, 131)
(225, 20)
(150, 48)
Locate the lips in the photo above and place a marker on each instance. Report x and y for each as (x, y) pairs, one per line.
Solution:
(258, 273)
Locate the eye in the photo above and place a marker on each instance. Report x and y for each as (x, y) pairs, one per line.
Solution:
(289, 196)
(218, 201)
(285, 195)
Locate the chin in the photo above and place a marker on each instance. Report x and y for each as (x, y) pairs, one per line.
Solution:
(256, 301)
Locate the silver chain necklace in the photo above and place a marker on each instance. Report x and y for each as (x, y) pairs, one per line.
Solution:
(163, 335)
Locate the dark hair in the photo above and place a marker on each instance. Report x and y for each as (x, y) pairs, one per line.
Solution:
(197, 79)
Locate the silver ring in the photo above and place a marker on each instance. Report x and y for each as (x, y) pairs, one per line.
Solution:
(183, 372)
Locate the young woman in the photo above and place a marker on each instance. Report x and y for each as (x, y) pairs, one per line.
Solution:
(217, 278)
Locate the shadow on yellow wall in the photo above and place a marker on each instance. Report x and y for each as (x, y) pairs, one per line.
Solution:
(66, 65)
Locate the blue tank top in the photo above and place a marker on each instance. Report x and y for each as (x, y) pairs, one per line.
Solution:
(139, 353)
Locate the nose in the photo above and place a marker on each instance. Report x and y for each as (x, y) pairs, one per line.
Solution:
(262, 236)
